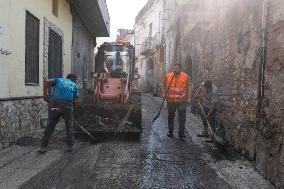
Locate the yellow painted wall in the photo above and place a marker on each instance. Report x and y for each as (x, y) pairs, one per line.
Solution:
(12, 19)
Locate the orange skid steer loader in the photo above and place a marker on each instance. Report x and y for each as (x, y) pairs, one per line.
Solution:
(116, 103)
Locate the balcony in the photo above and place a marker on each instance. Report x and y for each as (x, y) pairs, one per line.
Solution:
(157, 40)
(147, 49)
(95, 16)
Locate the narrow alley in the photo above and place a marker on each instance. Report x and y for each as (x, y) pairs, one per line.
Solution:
(141, 94)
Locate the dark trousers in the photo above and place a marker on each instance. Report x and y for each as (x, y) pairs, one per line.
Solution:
(211, 120)
(53, 118)
(180, 107)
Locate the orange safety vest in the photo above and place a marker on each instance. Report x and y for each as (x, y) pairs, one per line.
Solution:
(178, 90)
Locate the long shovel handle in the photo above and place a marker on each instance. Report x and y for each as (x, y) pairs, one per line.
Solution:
(156, 117)
(205, 117)
(85, 131)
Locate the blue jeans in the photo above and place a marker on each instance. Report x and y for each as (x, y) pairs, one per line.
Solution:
(212, 119)
(53, 118)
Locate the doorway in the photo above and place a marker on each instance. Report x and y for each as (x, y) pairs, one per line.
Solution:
(55, 55)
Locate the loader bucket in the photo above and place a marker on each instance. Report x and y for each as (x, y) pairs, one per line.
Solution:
(107, 118)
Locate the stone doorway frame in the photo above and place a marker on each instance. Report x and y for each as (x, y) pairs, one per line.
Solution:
(47, 26)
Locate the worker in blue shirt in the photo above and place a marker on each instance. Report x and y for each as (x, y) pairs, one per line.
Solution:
(60, 104)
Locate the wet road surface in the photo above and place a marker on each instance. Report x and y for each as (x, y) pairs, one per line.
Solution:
(155, 161)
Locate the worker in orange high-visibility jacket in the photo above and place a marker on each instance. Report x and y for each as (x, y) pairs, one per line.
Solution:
(178, 85)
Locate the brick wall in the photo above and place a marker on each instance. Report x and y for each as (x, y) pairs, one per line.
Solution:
(228, 52)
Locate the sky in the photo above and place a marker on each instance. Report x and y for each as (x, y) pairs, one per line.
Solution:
(122, 15)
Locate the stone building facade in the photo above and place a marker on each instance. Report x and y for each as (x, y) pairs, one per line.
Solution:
(149, 46)
(222, 40)
(160, 29)
(45, 51)
(228, 51)
(181, 19)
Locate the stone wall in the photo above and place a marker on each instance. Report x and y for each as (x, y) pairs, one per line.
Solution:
(20, 118)
(270, 146)
(228, 52)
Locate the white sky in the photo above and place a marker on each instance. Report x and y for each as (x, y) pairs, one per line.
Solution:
(122, 15)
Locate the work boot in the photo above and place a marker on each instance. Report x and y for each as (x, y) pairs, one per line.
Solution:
(42, 150)
(70, 148)
(181, 136)
(170, 134)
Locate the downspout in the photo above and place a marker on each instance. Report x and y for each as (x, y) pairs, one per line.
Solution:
(261, 74)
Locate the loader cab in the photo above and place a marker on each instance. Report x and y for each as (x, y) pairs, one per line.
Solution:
(118, 60)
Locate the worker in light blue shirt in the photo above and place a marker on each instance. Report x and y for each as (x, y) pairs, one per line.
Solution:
(60, 104)
(65, 90)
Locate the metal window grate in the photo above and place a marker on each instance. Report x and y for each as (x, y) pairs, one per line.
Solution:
(55, 59)
(32, 50)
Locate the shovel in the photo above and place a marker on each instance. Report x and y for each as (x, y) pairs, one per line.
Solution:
(158, 115)
(85, 131)
(217, 140)
(209, 130)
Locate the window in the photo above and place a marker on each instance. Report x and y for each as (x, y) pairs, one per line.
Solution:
(32, 50)
(55, 7)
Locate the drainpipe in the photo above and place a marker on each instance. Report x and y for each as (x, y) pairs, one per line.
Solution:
(261, 75)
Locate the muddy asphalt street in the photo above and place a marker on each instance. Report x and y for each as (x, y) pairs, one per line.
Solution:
(155, 161)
